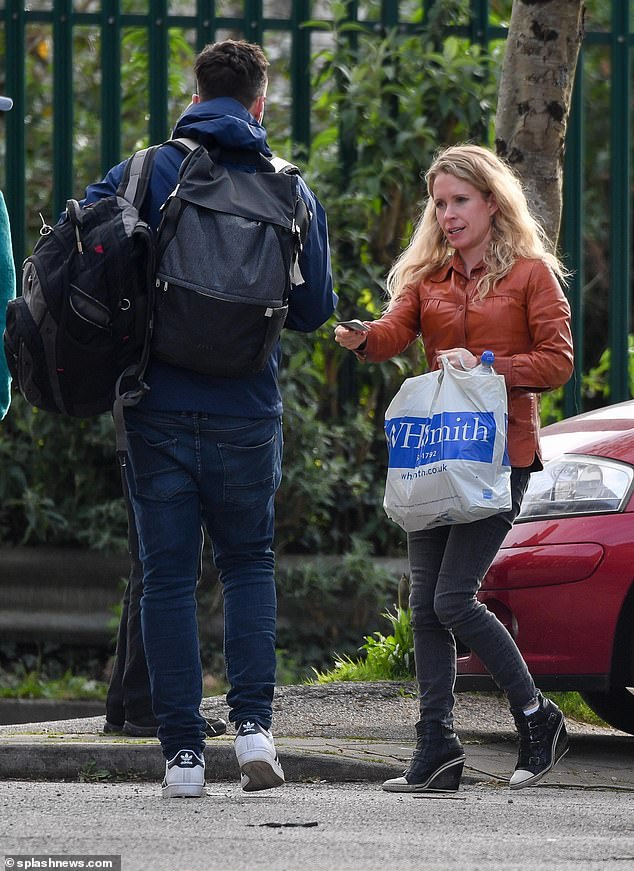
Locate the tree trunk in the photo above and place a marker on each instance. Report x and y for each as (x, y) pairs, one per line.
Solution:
(534, 100)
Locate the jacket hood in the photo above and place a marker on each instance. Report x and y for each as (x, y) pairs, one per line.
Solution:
(223, 122)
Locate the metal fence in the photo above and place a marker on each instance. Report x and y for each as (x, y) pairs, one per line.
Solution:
(202, 21)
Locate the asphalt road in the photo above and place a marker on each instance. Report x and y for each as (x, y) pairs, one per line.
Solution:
(319, 826)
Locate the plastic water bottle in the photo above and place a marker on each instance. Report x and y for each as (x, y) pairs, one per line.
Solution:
(486, 361)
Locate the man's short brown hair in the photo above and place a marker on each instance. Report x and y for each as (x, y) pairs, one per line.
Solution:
(231, 69)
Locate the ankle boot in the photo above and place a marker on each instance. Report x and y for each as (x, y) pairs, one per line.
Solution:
(436, 765)
(543, 741)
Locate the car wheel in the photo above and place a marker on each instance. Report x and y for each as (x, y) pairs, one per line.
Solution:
(615, 706)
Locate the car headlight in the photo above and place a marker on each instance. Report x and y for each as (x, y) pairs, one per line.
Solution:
(577, 484)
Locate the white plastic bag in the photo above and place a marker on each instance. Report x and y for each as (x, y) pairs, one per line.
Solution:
(446, 436)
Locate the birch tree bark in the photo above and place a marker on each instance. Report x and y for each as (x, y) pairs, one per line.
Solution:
(534, 100)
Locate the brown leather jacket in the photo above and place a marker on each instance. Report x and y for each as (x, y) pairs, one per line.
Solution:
(525, 321)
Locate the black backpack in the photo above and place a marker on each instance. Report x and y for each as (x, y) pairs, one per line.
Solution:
(77, 340)
(226, 257)
(83, 318)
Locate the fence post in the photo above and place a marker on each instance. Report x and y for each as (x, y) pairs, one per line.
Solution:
(572, 233)
(206, 23)
(620, 195)
(62, 104)
(15, 187)
(157, 70)
(300, 76)
(110, 84)
(253, 20)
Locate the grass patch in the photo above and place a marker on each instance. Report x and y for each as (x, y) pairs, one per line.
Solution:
(574, 707)
(387, 657)
(37, 685)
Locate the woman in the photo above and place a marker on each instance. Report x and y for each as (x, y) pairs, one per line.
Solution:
(476, 275)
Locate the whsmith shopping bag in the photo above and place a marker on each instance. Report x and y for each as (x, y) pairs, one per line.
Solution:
(446, 438)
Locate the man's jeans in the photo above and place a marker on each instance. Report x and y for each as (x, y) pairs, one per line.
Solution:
(188, 470)
(447, 565)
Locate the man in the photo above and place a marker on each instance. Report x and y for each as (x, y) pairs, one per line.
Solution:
(207, 451)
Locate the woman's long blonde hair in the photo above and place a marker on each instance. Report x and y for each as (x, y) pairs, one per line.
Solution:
(514, 231)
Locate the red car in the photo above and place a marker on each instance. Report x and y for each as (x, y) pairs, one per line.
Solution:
(563, 582)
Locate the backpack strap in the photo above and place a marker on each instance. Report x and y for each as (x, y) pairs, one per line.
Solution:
(302, 217)
(131, 387)
(136, 176)
(281, 165)
(183, 144)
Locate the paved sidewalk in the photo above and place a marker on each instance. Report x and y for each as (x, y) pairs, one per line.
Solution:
(339, 732)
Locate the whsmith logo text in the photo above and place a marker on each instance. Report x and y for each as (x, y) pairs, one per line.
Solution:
(419, 441)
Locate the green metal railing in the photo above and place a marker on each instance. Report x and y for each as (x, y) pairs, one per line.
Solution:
(110, 19)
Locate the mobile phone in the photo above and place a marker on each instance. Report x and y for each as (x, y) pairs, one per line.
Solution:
(356, 325)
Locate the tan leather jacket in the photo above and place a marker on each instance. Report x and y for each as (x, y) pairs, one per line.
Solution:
(525, 321)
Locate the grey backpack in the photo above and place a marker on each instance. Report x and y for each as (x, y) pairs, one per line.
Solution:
(226, 259)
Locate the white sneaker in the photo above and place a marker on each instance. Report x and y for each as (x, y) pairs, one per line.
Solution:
(255, 750)
(184, 775)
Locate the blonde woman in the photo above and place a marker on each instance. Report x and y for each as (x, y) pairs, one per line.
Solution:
(476, 275)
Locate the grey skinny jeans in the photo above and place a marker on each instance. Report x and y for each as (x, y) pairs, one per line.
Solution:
(447, 565)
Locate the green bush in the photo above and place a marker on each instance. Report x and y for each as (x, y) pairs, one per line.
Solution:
(382, 107)
(386, 657)
(36, 685)
(327, 604)
(59, 480)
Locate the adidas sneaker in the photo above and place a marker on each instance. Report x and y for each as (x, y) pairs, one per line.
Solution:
(255, 750)
(184, 775)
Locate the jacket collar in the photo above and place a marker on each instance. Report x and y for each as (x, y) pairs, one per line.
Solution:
(454, 264)
(223, 122)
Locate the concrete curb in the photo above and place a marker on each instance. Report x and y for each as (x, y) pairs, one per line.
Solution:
(75, 757)
(337, 733)
(70, 759)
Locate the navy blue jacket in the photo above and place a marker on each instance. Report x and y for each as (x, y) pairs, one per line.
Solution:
(226, 123)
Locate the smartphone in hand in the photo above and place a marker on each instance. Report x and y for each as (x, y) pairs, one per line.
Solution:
(356, 325)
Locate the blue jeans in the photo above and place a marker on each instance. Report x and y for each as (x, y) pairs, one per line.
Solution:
(187, 471)
(447, 565)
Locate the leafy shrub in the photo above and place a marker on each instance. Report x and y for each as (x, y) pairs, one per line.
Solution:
(387, 657)
(59, 480)
(383, 105)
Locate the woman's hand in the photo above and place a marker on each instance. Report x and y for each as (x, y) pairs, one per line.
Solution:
(459, 357)
(350, 339)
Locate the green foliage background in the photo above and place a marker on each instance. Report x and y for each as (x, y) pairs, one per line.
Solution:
(382, 106)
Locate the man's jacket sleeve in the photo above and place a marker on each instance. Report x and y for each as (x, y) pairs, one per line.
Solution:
(106, 187)
(312, 303)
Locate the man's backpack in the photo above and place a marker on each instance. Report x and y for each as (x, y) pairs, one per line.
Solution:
(227, 254)
(77, 340)
(84, 315)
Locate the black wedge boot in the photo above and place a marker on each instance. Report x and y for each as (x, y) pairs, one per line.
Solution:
(543, 742)
(436, 764)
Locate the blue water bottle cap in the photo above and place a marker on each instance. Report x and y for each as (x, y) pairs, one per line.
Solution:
(487, 358)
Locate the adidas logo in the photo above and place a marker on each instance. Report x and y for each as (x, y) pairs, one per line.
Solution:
(248, 727)
(186, 758)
